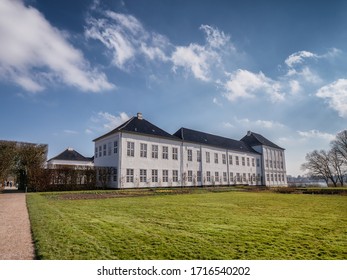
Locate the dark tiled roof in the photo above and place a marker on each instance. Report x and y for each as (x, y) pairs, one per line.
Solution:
(255, 139)
(72, 155)
(212, 140)
(139, 125)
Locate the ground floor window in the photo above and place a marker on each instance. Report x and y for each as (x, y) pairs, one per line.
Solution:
(130, 175)
(190, 176)
(208, 176)
(165, 176)
(175, 175)
(198, 176)
(154, 175)
(143, 175)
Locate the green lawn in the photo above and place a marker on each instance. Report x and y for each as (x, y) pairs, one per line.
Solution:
(224, 225)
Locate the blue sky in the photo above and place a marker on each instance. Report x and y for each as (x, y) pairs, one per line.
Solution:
(73, 70)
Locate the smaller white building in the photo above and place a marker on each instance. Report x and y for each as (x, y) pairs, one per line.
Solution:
(70, 158)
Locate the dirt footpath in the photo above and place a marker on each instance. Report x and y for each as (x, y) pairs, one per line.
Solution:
(15, 235)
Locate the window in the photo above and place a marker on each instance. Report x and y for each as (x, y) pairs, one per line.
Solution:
(232, 176)
(237, 160)
(104, 152)
(190, 176)
(270, 163)
(215, 158)
(216, 176)
(244, 178)
(267, 177)
(275, 164)
(175, 175)
(281, 164)
(224, 158)
(165, 152)
(96, 152)
(175, 153)
(207, 157)
(100, 153)
(253, 162)
(198, 176)
(230, 159)
(130, 175)
(247, 161)
(143, 175)
(275, 177)
(258, 162)
(154, 175)
(109, 148)
(154, 151)
(238, 178)
(190, 155)
(283, 177)
(225, 177)
(198, 156)
(243, 161)
(115, 147)
(130, 149)
(208, 176)
(272, 177)
(143, 150)
(267, 163)
(115, 175)
(165, 176)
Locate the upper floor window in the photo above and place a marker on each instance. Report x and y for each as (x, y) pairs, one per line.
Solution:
(237, 160)
(165, 152)
(143, 150)
(224, 158)
(130, 149)
(154, 151)
(190, 155)
(109, 148)
(253, 162)
(243, 161)
(198, 156)
(230, 159)
(215, 158)
(104, 152)
(115, 147)
(247, 161)
(208, 157)
(174, 153)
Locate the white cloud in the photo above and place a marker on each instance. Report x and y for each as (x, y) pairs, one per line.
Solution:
(245, 84)
(202, 60)
(316, 134)
(336, 96)
(217, 102)
(194, 58)
(126, 38)
(258, 123)
(104, 121)
(298, 58)
(31, 50)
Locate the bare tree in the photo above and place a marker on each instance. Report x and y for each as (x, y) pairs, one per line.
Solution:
(340, 144)
(319, 165)
(337, 165)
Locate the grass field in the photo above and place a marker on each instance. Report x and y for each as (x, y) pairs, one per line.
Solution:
(224, 225)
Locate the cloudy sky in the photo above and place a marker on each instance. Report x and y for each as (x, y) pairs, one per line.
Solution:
(73, 70)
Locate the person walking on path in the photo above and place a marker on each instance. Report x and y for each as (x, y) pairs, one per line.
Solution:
(15, 233)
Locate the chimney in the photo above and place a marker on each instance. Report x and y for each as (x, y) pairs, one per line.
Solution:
(249, 133)
(139, 116)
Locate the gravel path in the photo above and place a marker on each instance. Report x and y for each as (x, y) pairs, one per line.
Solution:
(15, 234)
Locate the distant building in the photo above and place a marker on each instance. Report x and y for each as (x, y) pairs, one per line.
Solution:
(140, 154)
(70, 158)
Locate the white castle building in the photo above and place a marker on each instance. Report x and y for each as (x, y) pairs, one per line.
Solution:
(140, 154)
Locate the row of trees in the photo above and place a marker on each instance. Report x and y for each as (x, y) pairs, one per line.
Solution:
(329, 165)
